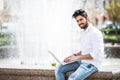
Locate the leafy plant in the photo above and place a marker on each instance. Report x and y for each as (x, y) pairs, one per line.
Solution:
(114, 11)
(111, 35)
(6, 39)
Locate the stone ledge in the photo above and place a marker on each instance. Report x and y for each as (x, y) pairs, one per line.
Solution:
(46, 74)
(98, 75)
(116, 76)
(26, 72)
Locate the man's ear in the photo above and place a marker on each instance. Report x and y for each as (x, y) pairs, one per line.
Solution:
(87, 18)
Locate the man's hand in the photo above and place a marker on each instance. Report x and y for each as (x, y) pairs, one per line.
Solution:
(78, 57)
(67, 59)
(71, 58)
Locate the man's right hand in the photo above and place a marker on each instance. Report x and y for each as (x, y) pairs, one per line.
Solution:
(68, 58)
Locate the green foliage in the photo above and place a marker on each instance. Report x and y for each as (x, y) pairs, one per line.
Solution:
(111, 35)
(110, 31)
(7, 39)
(53, 64)
(114, 11)
(112, 38)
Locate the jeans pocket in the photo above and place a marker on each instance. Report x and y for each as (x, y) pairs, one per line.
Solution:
(84, 67)
(87, 67)
(90, 66)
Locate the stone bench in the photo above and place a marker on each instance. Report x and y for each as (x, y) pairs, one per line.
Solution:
(116, 76)
(98, 76)
(46, 74)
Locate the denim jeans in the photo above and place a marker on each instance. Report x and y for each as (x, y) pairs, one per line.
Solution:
(82, 71)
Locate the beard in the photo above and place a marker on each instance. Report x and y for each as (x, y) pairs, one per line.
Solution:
(84, 26)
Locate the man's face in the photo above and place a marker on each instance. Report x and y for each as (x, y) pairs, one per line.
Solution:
(82, 22)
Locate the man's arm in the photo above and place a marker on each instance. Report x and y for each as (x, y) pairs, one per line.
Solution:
(85, 57)
(79, 57)
(77, 54)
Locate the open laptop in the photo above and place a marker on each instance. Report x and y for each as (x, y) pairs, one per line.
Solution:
(62, 63)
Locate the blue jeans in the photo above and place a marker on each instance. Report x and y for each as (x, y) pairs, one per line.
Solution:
(82, 71)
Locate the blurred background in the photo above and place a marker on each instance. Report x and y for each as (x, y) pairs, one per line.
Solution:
(29, 28)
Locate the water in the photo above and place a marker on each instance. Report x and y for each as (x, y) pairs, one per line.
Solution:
(110, 64)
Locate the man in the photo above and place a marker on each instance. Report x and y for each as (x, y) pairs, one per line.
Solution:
(89, 59)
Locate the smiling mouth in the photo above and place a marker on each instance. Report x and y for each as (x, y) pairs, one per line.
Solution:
(81, 25)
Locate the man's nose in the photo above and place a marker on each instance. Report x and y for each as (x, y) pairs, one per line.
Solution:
(79, 22)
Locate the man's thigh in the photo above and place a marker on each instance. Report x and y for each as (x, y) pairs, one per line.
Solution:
(68, 67)
(83, 72)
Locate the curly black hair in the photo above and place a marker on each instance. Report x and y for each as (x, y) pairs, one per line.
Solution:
(80, 12)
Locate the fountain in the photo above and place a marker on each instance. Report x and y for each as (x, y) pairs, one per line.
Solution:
(37, 30)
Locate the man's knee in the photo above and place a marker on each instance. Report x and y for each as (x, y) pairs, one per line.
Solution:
(73, 76)
(70, 78)
(76, 76)
(58, 69)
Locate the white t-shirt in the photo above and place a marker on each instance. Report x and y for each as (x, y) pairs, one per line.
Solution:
(92, 43)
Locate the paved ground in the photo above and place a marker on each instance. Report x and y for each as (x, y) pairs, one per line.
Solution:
(111, 64)
(109, 44)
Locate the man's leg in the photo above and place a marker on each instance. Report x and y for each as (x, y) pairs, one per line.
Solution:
(62, 69)
(83, 72)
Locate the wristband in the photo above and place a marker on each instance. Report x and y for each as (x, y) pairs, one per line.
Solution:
(74, 54)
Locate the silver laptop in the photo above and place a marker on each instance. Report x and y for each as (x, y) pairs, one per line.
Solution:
(62, 63)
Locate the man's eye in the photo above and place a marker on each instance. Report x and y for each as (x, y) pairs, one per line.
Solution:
(81, 19)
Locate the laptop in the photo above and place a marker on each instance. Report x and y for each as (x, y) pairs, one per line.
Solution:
(62, 63)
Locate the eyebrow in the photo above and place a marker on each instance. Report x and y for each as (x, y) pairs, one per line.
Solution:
(80, 19)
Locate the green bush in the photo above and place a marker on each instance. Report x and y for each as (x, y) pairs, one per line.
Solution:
(7, 39)
(111, 35)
